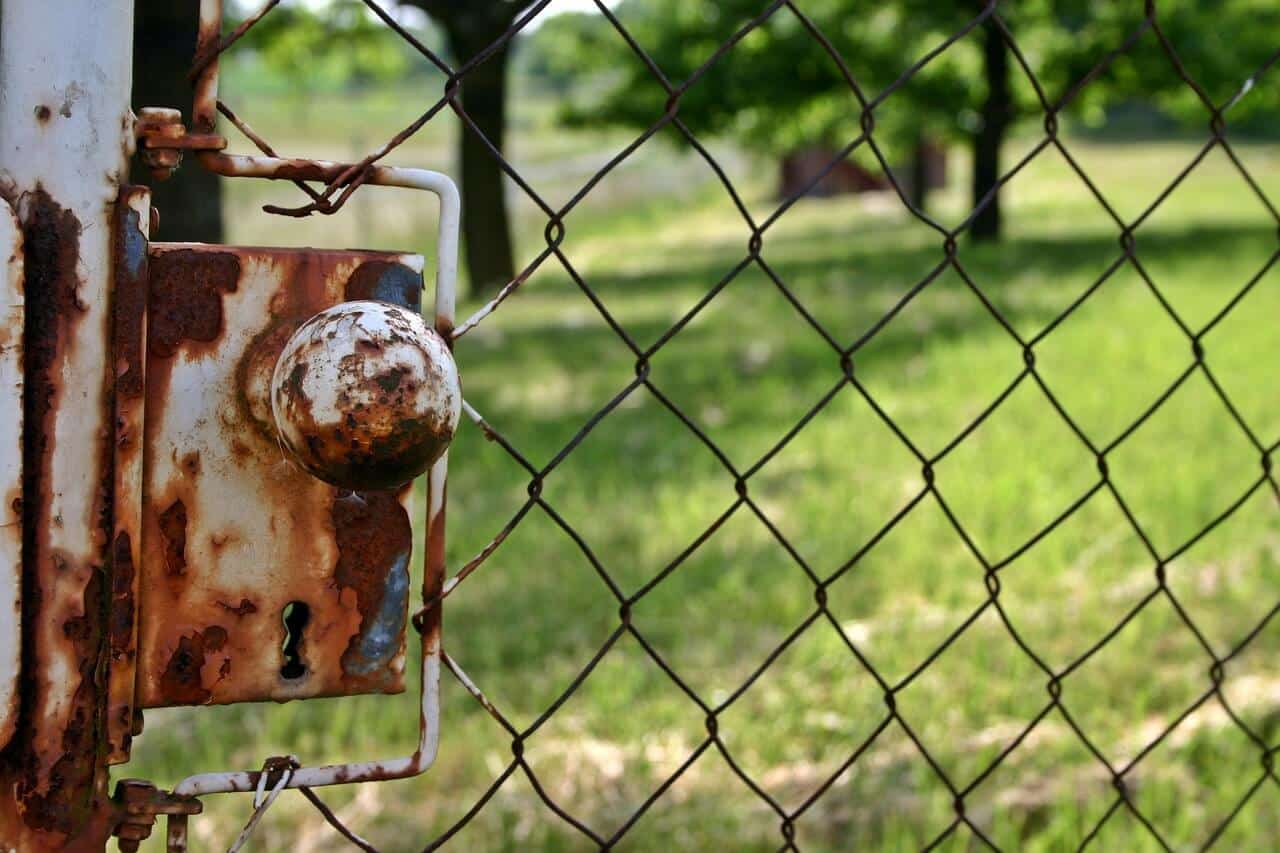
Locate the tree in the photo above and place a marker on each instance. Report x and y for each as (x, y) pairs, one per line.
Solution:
(776, 88)
(164, 34)
(322, 46)
(552, 57)
(471, 27)
(994, 117)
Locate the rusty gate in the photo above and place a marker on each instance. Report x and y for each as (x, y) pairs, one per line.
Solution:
(207, 452)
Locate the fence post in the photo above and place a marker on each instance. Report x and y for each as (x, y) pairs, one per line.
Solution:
(65, 135)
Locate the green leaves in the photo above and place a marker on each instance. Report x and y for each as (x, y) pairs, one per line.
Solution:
(777, 88)
(327, 45)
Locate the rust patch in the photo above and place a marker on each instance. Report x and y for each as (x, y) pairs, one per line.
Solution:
(43, 114)
(374, 540)
(187, 287)
(56, 809)
(203, 563)
(129, 301)
(244, 608)
(307, 170)
(293, 385)
(130, 265)
(392, 379)
(444, 325)
(181, 678)
(254, 375)
(55, 795)
(386, 281)
(123, 651)
(352, 458)
(433, 564)
(173, 528)
(122, 574)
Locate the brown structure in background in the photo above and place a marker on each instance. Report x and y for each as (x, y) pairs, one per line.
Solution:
(819, 171)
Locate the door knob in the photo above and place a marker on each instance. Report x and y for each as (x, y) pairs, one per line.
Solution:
(365, 395)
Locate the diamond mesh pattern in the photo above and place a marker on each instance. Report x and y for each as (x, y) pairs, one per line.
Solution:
(1059, 703)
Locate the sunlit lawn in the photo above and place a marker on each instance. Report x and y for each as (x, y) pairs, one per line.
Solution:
(641, 487)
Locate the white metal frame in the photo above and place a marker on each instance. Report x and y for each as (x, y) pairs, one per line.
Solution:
(443, 187)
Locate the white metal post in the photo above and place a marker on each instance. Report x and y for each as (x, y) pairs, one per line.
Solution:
(66, 131)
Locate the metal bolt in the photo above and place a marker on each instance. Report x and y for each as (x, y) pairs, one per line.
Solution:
(157, 124)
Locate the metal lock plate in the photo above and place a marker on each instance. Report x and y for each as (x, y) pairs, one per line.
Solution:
(258, 581)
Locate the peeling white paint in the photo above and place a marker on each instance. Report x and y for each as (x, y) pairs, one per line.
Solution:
(11, 317)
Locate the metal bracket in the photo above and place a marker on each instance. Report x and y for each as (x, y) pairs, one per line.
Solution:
(164, 137)
(139, 802)
(430, 626)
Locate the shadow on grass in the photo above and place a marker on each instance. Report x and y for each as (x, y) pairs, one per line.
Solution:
(1029, 281)
(528, 621)
(704, 371)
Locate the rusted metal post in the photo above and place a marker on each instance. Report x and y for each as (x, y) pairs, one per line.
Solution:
(66, 131)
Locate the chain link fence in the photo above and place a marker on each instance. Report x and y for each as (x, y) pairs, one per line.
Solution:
(989, 570)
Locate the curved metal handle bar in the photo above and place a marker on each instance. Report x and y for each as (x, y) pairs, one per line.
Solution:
(446, 284)
(280, 169)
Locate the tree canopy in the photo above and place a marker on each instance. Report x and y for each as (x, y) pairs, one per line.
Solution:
(328, 46)
(778, 88)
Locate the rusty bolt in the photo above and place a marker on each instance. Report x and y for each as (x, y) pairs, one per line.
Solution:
(155, 125)
(162, 161)
(365, 395)
(160, 117)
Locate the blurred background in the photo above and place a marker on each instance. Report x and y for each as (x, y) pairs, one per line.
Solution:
(1125, 175)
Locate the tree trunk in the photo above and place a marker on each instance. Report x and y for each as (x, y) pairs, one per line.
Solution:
(486, 225)
(164, 35)
(996, 114)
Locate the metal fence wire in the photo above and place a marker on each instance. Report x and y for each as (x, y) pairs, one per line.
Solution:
(844, 358)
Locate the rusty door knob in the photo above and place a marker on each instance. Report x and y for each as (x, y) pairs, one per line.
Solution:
(365, 395)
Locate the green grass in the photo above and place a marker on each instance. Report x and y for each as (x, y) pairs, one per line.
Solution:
(640, 487)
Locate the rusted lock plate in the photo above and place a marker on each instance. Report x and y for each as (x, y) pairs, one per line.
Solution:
(258, 581)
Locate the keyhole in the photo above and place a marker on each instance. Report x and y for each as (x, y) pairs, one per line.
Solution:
(295, 616)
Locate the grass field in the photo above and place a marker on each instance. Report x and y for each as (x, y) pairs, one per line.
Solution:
(641, 487)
